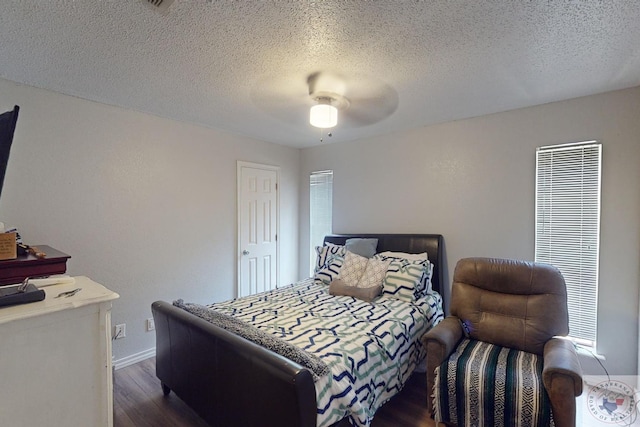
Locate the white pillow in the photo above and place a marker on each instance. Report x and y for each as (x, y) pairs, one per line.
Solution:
(352, 269)
(403, 255)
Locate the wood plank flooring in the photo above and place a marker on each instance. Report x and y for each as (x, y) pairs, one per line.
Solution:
(138, 402)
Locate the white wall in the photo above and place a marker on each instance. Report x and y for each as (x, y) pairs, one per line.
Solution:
(144, 205)
(473, 181)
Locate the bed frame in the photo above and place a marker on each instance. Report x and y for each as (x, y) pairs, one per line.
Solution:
(228, 380)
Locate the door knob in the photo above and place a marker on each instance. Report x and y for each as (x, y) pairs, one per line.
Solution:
(245, 252)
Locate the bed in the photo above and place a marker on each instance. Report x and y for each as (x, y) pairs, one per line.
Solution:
(231, 380)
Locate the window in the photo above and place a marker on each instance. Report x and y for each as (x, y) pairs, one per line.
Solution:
(320, 209)
(568, 226)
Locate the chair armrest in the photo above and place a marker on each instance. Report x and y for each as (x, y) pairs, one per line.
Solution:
(443, 339)
(440, 342)
(560, 358)
(562, 378)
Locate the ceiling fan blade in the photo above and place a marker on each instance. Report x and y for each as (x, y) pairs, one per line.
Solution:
(370, 110)
(289, 97)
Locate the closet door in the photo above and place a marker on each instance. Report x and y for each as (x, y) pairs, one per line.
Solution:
(257, 228)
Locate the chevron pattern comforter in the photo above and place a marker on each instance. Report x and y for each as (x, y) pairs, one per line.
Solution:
(370, 348)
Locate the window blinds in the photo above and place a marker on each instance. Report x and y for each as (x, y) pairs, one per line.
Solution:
(568, 226)
(320, 209)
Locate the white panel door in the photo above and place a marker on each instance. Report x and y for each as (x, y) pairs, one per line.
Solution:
(257, 228)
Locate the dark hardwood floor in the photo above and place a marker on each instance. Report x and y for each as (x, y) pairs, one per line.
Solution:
(138, 401)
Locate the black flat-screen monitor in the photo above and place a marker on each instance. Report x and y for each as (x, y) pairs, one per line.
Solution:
(8, 122)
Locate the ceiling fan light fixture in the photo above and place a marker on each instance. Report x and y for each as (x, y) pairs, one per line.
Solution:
(323, 115)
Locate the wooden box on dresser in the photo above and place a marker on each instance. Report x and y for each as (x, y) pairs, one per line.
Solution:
(28, 265)
(55, 359)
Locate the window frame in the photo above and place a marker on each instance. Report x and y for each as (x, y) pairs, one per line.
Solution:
(325, 178)
(578, 260)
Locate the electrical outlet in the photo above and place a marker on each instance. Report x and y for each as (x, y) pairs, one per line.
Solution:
(151, 325)
(120, 331)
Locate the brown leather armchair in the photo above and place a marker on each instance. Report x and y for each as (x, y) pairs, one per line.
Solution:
(514, 306)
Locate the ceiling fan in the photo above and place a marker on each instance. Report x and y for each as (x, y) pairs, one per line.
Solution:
(357, 100)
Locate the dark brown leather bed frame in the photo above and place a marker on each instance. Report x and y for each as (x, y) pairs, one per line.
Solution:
(230, 381)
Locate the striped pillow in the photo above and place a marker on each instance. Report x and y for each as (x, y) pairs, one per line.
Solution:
(407, 279)
(330, 271)
(326, 252)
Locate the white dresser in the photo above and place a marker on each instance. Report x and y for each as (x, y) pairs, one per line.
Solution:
(55, 359)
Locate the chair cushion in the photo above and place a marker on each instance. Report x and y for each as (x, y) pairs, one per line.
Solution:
(483, 384)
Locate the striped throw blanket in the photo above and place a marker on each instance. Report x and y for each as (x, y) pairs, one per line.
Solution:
(482, 384)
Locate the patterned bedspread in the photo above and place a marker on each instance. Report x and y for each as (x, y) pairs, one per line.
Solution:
(371, 348)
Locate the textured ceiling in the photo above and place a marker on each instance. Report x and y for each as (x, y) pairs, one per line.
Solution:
(242, 66)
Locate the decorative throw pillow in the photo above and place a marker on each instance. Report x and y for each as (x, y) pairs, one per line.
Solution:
(352, 268)
(402, 279)
(330, 271)
(374, 273)
(363, 247)
(425, 283)
(399, 275)
(325, 252)
(338, 287)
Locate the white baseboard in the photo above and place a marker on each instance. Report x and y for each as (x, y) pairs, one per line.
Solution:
(134, 358)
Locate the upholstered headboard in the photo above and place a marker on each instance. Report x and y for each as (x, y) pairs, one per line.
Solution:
(432, 244)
